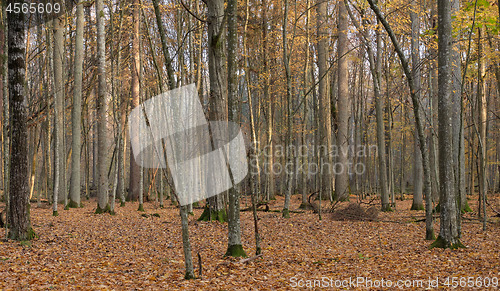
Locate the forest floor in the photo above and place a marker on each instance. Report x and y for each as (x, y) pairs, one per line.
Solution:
(82, 250)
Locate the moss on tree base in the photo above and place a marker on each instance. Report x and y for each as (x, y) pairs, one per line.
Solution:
(285, 213)
(122, 204)
(213, 215)
(440, 242)
(466, 207)
(55, 213)
(141, 208)
(415, 206)
(106, 209)
(189, 276)
(429, 235)
(235, 251)
(72, 204)
(15, 235)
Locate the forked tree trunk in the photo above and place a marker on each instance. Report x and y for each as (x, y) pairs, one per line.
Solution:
(218, 90)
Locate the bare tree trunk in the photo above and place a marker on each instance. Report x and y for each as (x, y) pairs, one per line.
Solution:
(288, 151)
(343, 108)
(135, 170)
(102, 106)
(218, 90)
(418, 203)
(449, 235)
(59, 152)
(234, 247)
(19, 206)
(325, 129)
(77, 111)
(269, 99)
(417, 114)
(482, 115)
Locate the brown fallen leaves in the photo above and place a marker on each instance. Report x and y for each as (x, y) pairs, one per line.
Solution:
(82, 250)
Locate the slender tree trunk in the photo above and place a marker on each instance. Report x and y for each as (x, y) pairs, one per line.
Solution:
(416, 112)
(418, 203)
(19, 206)
(234, 247)
(59, 153)
(482, 116)
(77, 111)
(288, 151)
(102, 106)
(135, 170)
(343, 108)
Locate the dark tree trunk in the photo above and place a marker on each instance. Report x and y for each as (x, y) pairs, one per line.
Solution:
(19, 208)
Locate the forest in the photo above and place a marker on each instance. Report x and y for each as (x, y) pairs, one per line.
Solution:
(249, 145)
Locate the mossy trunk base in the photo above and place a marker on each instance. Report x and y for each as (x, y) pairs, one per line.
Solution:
(429, 235)
(141, 208)
(106, 209)
(213, 215)
(440, 242)
(286, 213)
(415, 206)
(235, 251)
(29, 235)
(466, 207)
(55, 213)
(72, 204)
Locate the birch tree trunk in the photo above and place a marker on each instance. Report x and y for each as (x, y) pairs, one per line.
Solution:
(19, 205)
(77, 111)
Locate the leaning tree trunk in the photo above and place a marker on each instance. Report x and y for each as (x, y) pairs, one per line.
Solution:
(76, 115)
(19, 208)
(343, 109)
(102, 106)
(416, 112)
